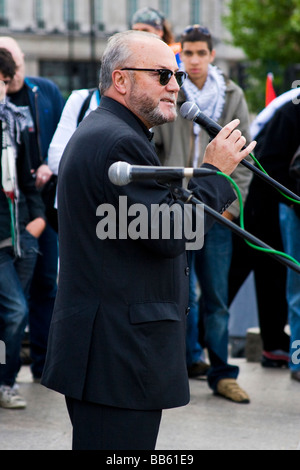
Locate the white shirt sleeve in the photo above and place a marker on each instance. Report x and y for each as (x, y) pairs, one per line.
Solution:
(65, 129)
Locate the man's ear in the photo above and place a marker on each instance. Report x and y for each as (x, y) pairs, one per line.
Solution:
(119, 80)
(212, 55)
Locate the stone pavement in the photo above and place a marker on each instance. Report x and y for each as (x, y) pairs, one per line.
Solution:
(270, 422)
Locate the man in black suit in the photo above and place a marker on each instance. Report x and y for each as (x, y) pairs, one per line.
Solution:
(117, 341)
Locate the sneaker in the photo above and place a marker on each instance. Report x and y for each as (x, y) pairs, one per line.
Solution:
(9, 397)
(275, 359)
(197, 369)
(229, 388)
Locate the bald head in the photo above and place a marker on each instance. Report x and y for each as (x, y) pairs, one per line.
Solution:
(13, 47)
(9, 43)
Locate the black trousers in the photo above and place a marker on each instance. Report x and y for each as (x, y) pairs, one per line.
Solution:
(100, 427)
(262, 220)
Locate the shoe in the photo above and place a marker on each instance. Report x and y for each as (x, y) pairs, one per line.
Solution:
(229, 388)
(275, 359)
(9, 398)
(296, 375)
(198, 368)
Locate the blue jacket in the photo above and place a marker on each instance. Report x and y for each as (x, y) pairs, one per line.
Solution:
(46, 104)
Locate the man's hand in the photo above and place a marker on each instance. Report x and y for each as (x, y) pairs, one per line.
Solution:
(227, 215)
(225, 150)
(42, 175)
(36, 227)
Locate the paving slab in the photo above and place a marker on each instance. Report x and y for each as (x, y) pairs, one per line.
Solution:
(270, 422)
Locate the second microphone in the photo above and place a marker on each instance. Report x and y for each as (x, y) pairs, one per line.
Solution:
(122, 173)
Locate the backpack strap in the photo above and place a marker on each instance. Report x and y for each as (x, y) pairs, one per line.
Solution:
(85, 105)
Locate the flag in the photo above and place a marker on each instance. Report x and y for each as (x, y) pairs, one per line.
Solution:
(270, 92)
(176, 48)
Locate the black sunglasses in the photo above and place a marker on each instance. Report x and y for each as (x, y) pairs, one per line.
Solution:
(196, 27)
(165, 75)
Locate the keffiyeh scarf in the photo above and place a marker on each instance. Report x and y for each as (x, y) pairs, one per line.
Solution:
(13, 122)
(210, 99)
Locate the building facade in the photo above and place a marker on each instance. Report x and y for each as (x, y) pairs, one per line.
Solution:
(64, 39)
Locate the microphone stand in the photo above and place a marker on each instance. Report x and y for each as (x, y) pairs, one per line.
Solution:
(270, 180)
(212, 132)
(187, 196)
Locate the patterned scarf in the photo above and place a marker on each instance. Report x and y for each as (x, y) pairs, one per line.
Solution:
(14, 119)
(13, 122)
(210, 99)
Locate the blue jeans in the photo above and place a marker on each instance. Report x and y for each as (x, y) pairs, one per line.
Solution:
(212, 264)
(15, 279)
(42, 297)
(194, 350)
(290, 231)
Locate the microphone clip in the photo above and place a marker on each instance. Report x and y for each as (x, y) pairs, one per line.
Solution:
(180, 193)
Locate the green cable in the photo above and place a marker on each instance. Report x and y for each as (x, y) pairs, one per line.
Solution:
(239, 195)
(262, 169)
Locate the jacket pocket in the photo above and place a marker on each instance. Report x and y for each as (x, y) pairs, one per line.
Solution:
(157, 354)
(145, 312)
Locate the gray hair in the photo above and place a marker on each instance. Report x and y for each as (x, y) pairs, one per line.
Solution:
(117, 54)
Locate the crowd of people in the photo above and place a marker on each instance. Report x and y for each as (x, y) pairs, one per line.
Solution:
(101, 309)
(30, 112)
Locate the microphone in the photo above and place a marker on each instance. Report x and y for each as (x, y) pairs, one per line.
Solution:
(191, 112)
(122, 173)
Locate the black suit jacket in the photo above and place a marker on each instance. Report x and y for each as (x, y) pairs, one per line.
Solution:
(118, 330)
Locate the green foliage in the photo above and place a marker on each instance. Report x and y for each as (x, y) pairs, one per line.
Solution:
(269, 33)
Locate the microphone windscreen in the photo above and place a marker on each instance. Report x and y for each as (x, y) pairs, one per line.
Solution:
(119, 173)
(189, 110)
